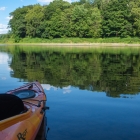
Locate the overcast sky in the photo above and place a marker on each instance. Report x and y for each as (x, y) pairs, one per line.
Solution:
(7, 6)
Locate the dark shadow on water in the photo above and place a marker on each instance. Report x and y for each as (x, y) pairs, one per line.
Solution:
(42, 134)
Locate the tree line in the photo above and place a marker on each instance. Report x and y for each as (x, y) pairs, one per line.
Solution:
(84, 19)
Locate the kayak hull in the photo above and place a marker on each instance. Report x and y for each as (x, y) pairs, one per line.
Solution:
(25, 126)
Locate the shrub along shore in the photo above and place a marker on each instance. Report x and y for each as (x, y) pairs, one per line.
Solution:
(74, 41)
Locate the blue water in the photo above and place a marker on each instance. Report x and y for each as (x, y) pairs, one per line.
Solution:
(77, 114)
(85, 115)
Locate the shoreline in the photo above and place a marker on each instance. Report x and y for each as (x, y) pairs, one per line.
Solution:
(76, 44)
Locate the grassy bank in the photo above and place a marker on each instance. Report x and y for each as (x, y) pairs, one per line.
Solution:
(31, 48)
(71, 40)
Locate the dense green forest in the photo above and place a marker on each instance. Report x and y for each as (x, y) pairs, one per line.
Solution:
(83, 19)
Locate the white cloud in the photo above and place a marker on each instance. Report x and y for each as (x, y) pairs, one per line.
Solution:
(48, 87)
(8, 18)
(2, 8)
(2, 26)
(66, 89)
(3, 29)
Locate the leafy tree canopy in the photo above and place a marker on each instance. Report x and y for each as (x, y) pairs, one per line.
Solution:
(84, 19)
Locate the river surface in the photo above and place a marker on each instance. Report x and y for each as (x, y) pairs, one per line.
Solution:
(92, 94)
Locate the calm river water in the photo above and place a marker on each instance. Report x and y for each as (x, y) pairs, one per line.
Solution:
(92, 94)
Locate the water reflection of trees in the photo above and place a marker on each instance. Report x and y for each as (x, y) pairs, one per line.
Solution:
(113, 73)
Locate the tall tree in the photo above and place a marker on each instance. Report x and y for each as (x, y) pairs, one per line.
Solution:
(57, 6)
(18, 22)
(86, 22)
(55, 19)
(79, 27)
(116, 15)
(94, 22)
(135, 10)
(34, 17)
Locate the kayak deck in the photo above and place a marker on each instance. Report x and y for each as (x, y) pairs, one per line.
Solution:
(26, 124)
